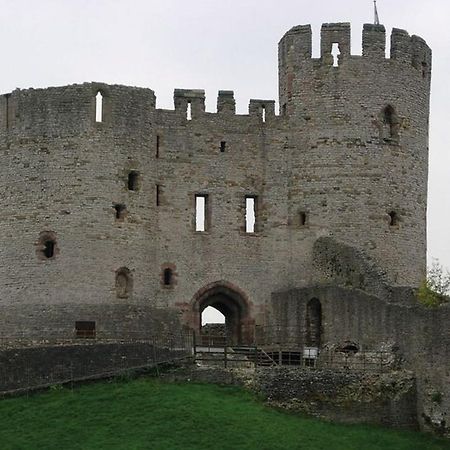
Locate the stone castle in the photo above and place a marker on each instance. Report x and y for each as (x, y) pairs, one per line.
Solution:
(120, 218)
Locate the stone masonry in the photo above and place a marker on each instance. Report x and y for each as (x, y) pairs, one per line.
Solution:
(98, 222)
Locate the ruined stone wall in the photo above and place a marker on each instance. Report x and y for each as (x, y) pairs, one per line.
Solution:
(420, 336)
(323, 167)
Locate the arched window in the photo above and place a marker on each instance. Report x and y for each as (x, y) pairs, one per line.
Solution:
(393, 219)
(390, 123)
(124, 282)
(313, 323)
(168, 275)
(46, 245)
(120, 211)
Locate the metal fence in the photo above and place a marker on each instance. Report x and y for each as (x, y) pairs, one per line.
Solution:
(139, 350)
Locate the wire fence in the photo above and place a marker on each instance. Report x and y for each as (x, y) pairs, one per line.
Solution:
(57, 359)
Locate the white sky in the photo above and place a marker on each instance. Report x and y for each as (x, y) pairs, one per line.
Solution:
(212, 45)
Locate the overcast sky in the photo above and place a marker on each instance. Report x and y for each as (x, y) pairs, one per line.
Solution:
(212, 45)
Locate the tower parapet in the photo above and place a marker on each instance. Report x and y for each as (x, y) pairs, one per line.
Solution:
(296, 62)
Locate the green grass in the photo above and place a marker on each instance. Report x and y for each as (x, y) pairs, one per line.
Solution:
(150, 414)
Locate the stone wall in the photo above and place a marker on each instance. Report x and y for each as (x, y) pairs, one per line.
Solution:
(420, 336)
(322, 168)
(343, 396)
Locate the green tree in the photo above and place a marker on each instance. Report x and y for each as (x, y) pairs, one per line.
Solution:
(435, 288)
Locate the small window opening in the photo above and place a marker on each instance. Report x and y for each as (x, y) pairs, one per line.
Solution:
(335, 52)
(85, 329)
(99, 107)
(302, 217)
(120, 209)
(284, 109)
(189, 111)
(201, 202)
(49, 249)
(158, 195)
(158, 143)
(424, 69)
(393, 219)
(263, 113)
(124, 282)
(390, 123)
(133, 178)
(349, 348)
(250, 214)
(168, 277)
(223, 144)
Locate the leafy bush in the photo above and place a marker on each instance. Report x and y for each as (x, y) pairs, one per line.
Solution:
(435, 288)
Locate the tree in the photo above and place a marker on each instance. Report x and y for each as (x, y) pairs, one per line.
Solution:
(435, 288)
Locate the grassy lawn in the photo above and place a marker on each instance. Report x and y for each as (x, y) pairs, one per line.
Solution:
(149, 414)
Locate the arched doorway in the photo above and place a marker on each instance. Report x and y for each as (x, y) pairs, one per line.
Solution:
(232, 303)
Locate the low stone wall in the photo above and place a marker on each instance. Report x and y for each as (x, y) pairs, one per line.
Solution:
(387, 399)
(343, 396)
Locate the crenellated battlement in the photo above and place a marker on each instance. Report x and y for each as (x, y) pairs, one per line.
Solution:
(296, 44)
(73, 108)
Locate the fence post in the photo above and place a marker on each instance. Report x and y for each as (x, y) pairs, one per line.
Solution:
(194, 344)
(225, 355)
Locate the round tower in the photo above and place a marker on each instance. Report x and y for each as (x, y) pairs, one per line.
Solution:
(358, 130)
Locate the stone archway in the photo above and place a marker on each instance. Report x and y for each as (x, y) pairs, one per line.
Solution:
(232, 303)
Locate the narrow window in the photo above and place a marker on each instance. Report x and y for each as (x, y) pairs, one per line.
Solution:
(335, 52)
(158, 194)
(250, 214)
(263, 113)
(99, 107)
(393, 219)
(189, 111)
(158, 143)
(424, 69)
(124, 282)
(120, 211)
(47, 246)
(390, 123)
(284, 109)
(133, 178)
(223, 144)
(302, 218)
(168, 275)
(201, 202)
(49, 249)
(85, 329)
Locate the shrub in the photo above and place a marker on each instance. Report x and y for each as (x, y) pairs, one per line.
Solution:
(435, 288)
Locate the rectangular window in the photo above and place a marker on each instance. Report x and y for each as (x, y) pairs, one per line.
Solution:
(250, 213)
(158, 195)
(158, 144)
(85, 329)
(201, 212)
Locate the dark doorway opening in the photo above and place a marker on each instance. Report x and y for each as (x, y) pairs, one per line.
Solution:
(313, 323)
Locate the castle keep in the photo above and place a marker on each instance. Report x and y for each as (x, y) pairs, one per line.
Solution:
(120, 218)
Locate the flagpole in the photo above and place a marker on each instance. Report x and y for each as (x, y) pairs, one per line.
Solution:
(376, 18)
